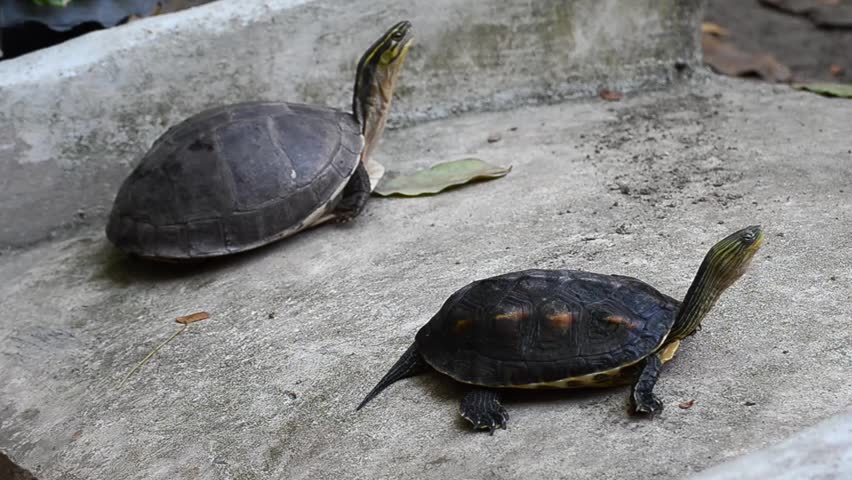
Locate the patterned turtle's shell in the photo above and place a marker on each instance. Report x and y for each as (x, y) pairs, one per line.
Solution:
(543, 327)
(234, 178)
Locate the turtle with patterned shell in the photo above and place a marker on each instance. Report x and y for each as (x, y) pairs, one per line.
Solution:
(240, 176)
(565, 329)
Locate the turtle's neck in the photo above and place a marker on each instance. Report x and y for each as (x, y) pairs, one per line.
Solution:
(376, 107)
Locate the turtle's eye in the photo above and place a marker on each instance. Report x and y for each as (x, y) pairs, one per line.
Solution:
(748, 237)
(397, 35)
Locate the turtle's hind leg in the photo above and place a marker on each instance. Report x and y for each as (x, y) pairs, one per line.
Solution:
(482, 408)
(355, 195)
(643, 399)
(410, 364)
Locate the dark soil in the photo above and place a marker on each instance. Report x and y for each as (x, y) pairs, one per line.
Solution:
(807, 50)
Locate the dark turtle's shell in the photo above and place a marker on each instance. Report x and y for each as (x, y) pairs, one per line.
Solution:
(234, 178)
(545, 326)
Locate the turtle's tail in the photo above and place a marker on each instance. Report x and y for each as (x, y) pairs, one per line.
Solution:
(409, 365)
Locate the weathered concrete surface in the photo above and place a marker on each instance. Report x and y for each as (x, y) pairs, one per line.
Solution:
(75, 118)
(822, 452)
(301, 330)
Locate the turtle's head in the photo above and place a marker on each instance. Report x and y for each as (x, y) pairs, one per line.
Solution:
(375, 80)
(730, 258)
(722, 266)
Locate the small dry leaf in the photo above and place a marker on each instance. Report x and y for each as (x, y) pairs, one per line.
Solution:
(375, 171)
(714, 29)
(687, 404)
(610, 95)
(494, 137)
(822, 13)
(195, 317)
(836, 70)
(726, 58)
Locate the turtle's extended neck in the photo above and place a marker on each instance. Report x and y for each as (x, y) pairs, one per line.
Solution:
(375, 80)
(722, 266)
(701, 297)
(376, 106)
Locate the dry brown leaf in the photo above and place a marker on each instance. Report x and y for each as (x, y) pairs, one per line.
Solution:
(687, 404)
(185, 320)
(823, 13)
(714, 29)
(194, 317)
(726, 58)
(836, 70)
(610, 95)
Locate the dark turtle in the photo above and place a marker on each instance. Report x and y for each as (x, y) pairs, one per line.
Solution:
(565, 329)
(240, 176)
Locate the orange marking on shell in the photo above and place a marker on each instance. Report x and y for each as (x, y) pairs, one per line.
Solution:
(462, 325)
(514, 315)
(561, 319)
(619, 320)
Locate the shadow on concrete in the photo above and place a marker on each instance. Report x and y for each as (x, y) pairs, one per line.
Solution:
(10, 470)
(122, 269)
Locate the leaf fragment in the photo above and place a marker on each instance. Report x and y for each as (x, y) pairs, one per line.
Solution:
(185, 320)
(52, 3)
(724, 57)
(194, 317)
(714, 29)
(610, 95)
(822, 13)
(687, 404)
(375, 171)
(842, 90)
(440, 177)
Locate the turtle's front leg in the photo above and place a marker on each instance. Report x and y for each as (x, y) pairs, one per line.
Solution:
(643, 399)
(355, 195)
(482, 408)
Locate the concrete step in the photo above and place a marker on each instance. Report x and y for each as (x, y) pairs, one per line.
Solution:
(822, 452)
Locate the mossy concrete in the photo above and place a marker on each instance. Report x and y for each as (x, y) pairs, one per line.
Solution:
(301, 330)
(75, 118)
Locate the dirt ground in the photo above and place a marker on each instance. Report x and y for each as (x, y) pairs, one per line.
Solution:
(807, 50)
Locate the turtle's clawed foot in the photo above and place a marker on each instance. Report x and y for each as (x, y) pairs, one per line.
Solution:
(355, 196)
(646, 404)
(482, 408)
(644, 401)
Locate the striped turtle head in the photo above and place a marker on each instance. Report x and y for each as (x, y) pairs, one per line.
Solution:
(375, 81)
(726, 262)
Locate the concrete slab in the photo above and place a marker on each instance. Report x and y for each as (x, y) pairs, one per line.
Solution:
(821, 452)
(76, 117)
(301, 330)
